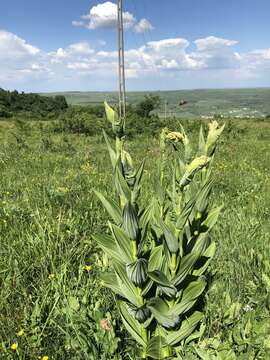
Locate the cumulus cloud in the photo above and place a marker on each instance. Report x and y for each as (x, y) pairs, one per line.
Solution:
(104, 16)
(13, 47)
(211, 43)
(142, 26)
(213, 58)
(215, 52)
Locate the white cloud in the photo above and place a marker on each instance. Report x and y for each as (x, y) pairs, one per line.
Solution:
(217, 53)
(78, 23)
(213, 59)
(13, 47)
(104, 16)
(142, 26)
(213, 43)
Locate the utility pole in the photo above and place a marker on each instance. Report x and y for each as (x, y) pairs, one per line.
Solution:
(121, 61)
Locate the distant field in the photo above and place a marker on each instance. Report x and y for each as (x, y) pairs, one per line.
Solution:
(227, 102)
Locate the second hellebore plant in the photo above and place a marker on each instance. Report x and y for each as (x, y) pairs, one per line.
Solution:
(159, 254)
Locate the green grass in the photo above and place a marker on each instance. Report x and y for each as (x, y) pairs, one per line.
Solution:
(48, 214)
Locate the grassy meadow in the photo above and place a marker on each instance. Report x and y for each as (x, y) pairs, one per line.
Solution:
(226, 102)
(52, 301)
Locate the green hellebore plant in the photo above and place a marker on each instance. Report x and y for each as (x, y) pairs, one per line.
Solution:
(159, 254)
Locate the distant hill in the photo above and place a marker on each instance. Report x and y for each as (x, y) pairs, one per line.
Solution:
(14, 103)
(199, 103)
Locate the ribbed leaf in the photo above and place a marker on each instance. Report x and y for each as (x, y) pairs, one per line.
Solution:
(156, 258)
(155, 348)
(193, 290)
(203, 195)
(186, 265)
(132, 325)
(189, 298)
(163, 283)
(108, 245)
(202, 243)
(212, 217)
(110, 150)
(128, 168)
(160, 311)
(123, 242)
(110, 281)
(205, 259)
(111, 206)
(130, 221)
(121, 185)
(187, 327)
(171, 240)
(186, 211)
(139, 174)
(182, 308)
(137, 272)
(126, 286)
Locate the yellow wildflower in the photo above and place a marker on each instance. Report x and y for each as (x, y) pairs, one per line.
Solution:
(50, 276)
(20, 333)
(14, 346)
(88, 268)
(45, 357)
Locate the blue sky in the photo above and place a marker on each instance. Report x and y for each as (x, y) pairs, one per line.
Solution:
(70, 45)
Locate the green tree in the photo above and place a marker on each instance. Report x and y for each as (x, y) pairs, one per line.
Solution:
(148, 105)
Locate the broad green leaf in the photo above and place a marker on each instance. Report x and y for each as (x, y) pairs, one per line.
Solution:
(132, 325)
(205, 260)
(123, 242)
(186, 211)
(110, 281)
(157, 348)
(110, 150)
(193, 290)
(182, 307)
(139, 174)
(128, 168)
(203, 196)
(160, 311)
(108, 245)
(127, 287)
(189, 298)
(130, 221)
(137, 272)
(163, 283)
(171, 240)
(156, 258)
(212, 217)
(121, 185)
(202, 243)
(111, 206)
(187, 327)
(186, 265)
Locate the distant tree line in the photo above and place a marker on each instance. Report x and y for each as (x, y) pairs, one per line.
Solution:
(32, 105)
